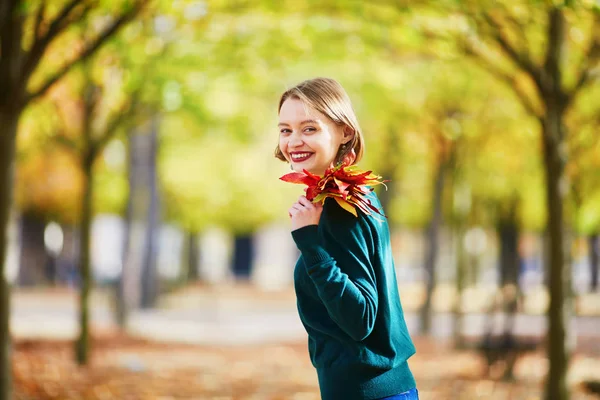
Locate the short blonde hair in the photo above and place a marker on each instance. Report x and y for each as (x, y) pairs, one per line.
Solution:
(328, 97)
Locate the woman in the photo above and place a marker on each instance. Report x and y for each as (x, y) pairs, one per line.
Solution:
(345, 281)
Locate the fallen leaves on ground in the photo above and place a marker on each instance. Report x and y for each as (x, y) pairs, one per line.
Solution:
(125, 368)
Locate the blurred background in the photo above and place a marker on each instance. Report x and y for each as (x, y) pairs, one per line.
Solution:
(145, 231)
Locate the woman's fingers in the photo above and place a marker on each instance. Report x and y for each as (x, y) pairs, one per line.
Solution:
(295, 208)
(304, 213)
(305, 202)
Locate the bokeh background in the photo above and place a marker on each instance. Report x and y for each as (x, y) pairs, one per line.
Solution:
(145, 231)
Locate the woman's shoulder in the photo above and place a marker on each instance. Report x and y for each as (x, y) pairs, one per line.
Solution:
(336, 215)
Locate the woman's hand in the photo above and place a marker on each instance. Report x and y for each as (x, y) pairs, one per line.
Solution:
(304, 213)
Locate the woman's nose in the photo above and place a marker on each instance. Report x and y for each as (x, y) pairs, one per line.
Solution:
(295, 141)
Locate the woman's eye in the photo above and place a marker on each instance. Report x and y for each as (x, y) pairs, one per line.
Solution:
(284, 131)
(310, 129)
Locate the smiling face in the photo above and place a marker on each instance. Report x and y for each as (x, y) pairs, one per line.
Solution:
(308, 139)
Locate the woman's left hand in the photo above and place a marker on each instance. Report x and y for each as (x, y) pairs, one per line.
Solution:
(304, 213)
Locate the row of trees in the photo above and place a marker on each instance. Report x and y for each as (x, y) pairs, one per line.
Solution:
(485, 100)
(41, 45)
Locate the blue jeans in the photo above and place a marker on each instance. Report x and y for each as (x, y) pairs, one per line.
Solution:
(412, 394)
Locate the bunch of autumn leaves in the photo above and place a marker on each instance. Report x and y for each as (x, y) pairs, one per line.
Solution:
(346, 184)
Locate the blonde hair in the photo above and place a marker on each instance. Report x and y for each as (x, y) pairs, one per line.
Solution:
(328, 97)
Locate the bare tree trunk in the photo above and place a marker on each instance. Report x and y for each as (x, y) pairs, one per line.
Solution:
(33, 257)
(193, 259)
(594, 251)
(243, 255)
(128, 289)
(391, 155)
(150, 273)
(138, 286)
(432, 237)
(556, 386)
(121, 301)
(509, 285)
(82, 344)
(460, 280)
(509, 254)
(386, 195)
(555, 160)
(8, 131)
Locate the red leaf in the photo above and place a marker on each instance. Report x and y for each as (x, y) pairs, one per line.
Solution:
(296, 177)
(346, 184)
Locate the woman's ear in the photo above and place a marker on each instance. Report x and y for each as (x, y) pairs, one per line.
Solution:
(348, 134)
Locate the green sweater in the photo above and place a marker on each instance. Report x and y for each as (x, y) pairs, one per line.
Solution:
(348, 301)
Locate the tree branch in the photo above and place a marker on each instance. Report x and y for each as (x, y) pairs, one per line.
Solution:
(90, 49)
(60, 23)
(38, 21)
(67, 143)
(112, 127)
(519, 58)
(91, 97)
(591, 61)
(61, 137)
(503, 76)
(520, 27)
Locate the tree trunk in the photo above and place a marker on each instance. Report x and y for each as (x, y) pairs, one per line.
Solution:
(545, 257)
(82, 344)
(193, 258)
(391, 155)
(509, 281)
(460, 280)
(138, 286)
(67, 268)
(432, 237)
(556, 386)
(386, 195)
(8, 132)
(509, 253)
(149, 267)
(11, 106)
(594, 251)
(33, 258)
(243, 256)
(121, 301)
(555, 160)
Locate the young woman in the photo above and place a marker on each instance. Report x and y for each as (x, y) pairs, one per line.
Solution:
(345, 279)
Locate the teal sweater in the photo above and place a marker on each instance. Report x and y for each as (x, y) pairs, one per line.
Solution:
(348, 301)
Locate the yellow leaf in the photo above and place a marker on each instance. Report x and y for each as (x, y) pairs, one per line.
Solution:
(346, 206)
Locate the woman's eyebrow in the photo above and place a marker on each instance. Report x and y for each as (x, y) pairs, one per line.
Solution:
(306, 121)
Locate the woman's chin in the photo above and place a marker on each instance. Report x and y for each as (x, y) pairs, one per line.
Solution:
(298, 167)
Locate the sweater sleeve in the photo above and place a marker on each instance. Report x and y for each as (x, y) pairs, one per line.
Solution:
(341, 271)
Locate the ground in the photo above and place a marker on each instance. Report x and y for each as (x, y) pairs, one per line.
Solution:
(126, 368)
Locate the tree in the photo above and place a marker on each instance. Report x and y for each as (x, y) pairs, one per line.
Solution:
(87, 144)
(26, 33)
(502, 39)
(581, 171)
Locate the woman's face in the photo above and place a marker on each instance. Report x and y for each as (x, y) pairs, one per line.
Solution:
(307, 138)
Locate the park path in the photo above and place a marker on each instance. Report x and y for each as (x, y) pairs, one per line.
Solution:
(225, 315)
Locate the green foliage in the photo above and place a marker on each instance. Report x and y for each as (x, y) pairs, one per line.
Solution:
(216, 72)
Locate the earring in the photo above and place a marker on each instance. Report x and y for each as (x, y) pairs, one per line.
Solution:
(340, 155)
